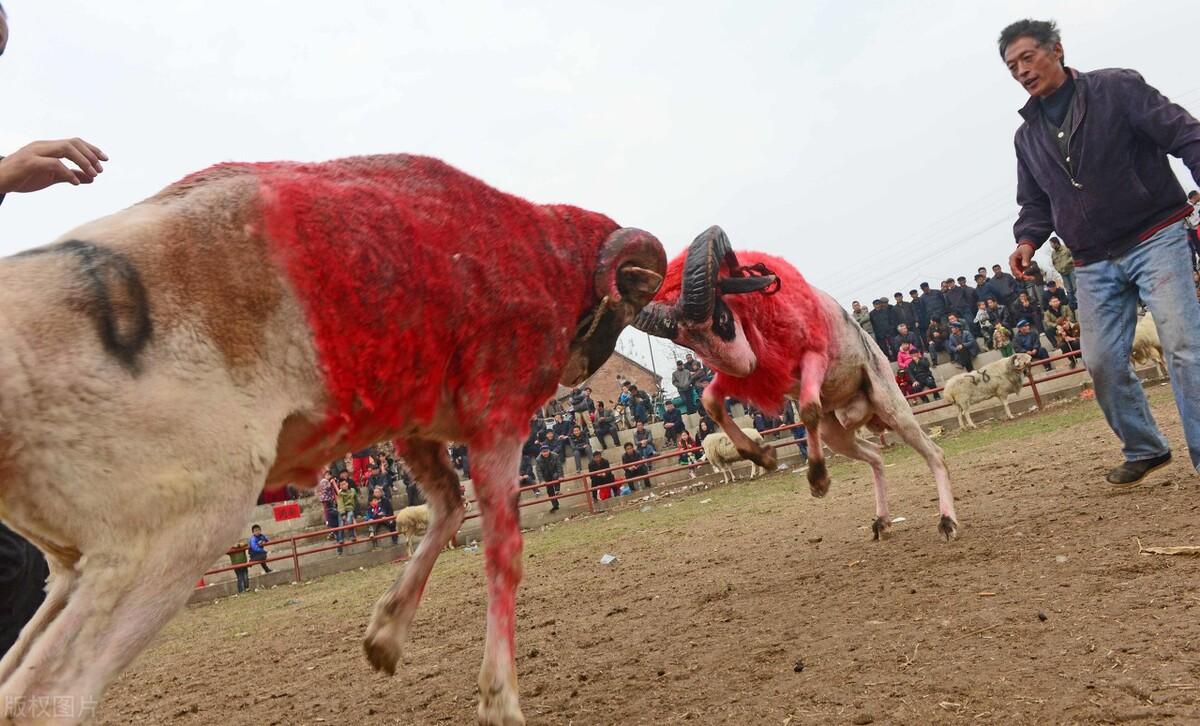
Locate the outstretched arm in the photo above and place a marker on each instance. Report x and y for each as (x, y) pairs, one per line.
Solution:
(36, 166)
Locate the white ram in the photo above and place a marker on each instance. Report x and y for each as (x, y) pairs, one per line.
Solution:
(999, 379)
(412, 522)
(721, 453)
(1146, 346)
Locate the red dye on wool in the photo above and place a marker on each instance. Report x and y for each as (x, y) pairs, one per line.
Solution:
(426, 288)
(779, 327)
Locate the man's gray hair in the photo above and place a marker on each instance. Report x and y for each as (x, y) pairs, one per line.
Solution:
(1044, 33)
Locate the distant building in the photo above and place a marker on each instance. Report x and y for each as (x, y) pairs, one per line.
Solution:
(606, 382)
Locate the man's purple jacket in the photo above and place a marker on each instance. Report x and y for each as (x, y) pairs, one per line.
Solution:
(1123, 190)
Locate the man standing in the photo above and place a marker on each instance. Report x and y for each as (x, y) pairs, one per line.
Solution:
(972, 297)
(883, 322)
(862, 316)
(1092, 166)
(956, 299)
(919, 311)
(682, 380)
(904, 312)
(549, 469)
(31, 168)
(935, 304)
(1064, 263)
(1004, 285)
(701, 376)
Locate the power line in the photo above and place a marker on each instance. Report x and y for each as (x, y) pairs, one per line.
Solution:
(843, 281)
(938, 251)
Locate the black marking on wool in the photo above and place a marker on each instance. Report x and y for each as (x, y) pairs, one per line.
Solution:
(123, 323)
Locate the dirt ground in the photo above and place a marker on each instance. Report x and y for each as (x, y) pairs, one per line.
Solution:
(757, 604)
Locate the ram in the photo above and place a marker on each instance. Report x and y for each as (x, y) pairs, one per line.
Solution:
(244, 327)
(1146, 346)
(721, 453)
(771, 336)
(998, 379)
(413, 522)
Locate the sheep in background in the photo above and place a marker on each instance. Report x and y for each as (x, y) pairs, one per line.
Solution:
(999, 379)
(413, 522)
(721, 453)
(1146, 346)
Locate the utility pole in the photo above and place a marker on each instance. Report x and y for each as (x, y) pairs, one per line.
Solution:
(650, 344)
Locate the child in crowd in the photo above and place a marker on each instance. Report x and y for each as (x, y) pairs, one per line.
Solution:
(688, 457)
(386, 516)
(258, 547)
(374, 513)
(237, 556)
(983, 321)
(1002, 340)
(347, 502)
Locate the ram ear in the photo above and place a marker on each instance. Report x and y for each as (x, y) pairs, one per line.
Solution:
(629, 271)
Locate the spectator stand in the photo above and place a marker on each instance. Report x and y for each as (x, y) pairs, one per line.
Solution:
(301, 548)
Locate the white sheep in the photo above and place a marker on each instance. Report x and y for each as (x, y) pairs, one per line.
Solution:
(721, 453)
(1146, 346)
(413, 522)
(999, 379)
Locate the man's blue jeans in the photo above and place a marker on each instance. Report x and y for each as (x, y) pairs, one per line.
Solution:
(1159, 271)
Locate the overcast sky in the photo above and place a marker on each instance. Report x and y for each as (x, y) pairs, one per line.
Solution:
(868, 143)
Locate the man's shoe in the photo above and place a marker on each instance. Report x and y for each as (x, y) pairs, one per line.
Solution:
(1132, 472)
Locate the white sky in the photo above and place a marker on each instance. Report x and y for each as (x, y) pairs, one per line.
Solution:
(870, 143)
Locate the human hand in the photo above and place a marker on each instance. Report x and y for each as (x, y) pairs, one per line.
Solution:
(1020, 260)
(38, 165)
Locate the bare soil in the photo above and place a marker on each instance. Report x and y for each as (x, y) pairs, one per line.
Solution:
(757, 604)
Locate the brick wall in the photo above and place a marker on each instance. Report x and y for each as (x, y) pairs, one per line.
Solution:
(606, 383)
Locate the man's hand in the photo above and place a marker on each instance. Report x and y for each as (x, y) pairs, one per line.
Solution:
(1020, 259)
(38, 165)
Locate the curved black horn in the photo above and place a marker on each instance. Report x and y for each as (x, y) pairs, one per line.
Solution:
(722, 249)
(657, 319)
(700, 271)
(739, 285)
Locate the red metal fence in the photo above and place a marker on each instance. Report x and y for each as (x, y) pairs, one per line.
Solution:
(295, 554)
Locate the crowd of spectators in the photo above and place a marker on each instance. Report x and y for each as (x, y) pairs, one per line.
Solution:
(366, 495)
(566, 435)
(958, 320)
